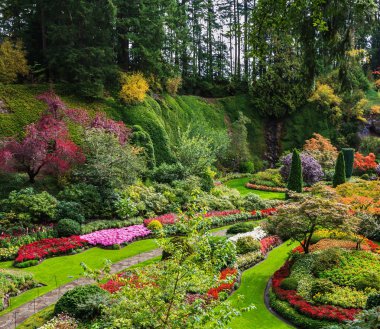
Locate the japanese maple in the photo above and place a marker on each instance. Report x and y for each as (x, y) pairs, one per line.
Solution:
(364, 163)
(45, 147)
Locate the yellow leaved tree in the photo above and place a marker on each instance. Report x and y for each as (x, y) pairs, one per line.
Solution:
(134, 87)
(12, 61)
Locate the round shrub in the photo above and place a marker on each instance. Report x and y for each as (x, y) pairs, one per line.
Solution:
(253, 202)
(247, 167)
(368, 280)
(240, 228)
(373, 300)
(289, 284)
(326, 260)
(178, 242)
(67, 227)
(247, 244)
(167, 173)
(155, 225)
(322, 286)
(82, 302)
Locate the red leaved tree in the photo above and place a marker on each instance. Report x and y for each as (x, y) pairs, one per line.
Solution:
(45, 148)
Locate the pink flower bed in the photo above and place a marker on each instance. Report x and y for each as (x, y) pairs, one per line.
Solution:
(269, 243)
(116, 236)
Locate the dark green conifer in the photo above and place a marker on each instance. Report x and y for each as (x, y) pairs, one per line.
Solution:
(340, 171)
(295, 181)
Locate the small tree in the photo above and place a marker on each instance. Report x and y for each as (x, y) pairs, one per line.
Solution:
(348, 154)
(340, 171)
(295, 181)
(321, 149)
(299, 220)
(134, 88)
(12, 61)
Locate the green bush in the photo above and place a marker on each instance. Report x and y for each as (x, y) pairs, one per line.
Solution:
(322, 286)
(253, 202)
(368, 280)
(223, 251)
(373, 300)
(240, 228)
(70, 209)
(348, 154)
(340, 171)
(177, 242)
(247, 244)
(295, 181)
(27, 263)
(68, 227)
(142, 139)
(248, 260)
(82, 302)
(268, 177)
(326, 260)
(247, 167)
(28, 206)
(289, 284)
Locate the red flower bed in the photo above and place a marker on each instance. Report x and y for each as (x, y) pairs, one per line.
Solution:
(321, 312)
(268, 212)
(49, 247)
(269, 243)
(226, 274)
(167, 219)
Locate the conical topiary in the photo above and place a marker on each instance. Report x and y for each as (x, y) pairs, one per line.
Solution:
(295, 181)
(340, 171)
(349, 154)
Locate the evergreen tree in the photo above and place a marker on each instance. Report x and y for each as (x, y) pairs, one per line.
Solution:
(295, 181)
(349, 154)
(340, 171)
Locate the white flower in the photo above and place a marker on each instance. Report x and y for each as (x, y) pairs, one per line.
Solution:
(258, 233)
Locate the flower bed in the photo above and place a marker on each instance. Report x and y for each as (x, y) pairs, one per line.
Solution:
(228, 278)
(222, 213)
(269, 243)
(49, 247)
(167, 219)
(319, 312)
(116, 236)
(270, 188)
(258, 233)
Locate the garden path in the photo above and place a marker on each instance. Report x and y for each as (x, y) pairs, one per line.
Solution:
(20, 314)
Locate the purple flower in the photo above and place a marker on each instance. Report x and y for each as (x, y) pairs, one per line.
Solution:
(311, 170)
(116, 235)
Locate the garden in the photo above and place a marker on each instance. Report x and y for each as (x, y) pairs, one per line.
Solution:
(189, 164)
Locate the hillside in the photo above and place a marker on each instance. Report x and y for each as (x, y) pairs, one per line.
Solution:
(163, 116)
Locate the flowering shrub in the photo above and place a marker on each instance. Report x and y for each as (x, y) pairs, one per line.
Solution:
(269, 243)
(49, 247)
(322, 312)
(311, 170)
(61, 321)
(364, 163)
(116, 236)
(167, 219)
(8, 253)
(228, 279)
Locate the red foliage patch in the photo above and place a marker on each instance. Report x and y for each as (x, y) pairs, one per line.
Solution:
(227, 274)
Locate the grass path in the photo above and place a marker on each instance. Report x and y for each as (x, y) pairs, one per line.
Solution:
(57, 271)
(239, 184)
(253, 286)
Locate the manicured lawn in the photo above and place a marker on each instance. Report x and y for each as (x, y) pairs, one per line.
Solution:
(252, 288)
(239, 184)
(57, 271)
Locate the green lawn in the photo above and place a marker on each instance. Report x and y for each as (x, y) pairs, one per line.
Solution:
(57, 271)
(252, 288)
(239, 184)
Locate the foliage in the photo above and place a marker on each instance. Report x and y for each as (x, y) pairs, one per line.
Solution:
(13, 61)
(108, 164)
(247, 244)
(321, 149)
(269, 177)
(26, 205)
(289, 284)
(373, 301)
(173, 84)
(46, 147)
(117, 128)
(295, 174)
(311, 169)
(240, 228)
(70, 209)
(142, 139)
(340, 171)
(68, 227)
(348, 160)
(154, 226)
(370, 144)
(82, 302)
(248, 260)
(167, 173)
(365, 163)
(299, 220)
(134, 87)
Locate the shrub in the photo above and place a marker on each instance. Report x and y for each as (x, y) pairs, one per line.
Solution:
(27, 263)
(27, 205)
(177, 242)
(289, 284)
(377, 84)
(167, 173)
(82, 302)
(295, 176)
(142, 139)
(61, 321)
(247, 244)
(368, 280)
(252, 201)
(340, 171)
(68, 227)
(70, 209)
(173, 84)
(134, 88)
(348, 154)
(248, 260)
(322, 286)
(12, 61)
(269, 177)
(155, 225)
(373, 300)
(321, 149)
(363, 163)
(247, 167)
(326, 260)
(240, 228)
